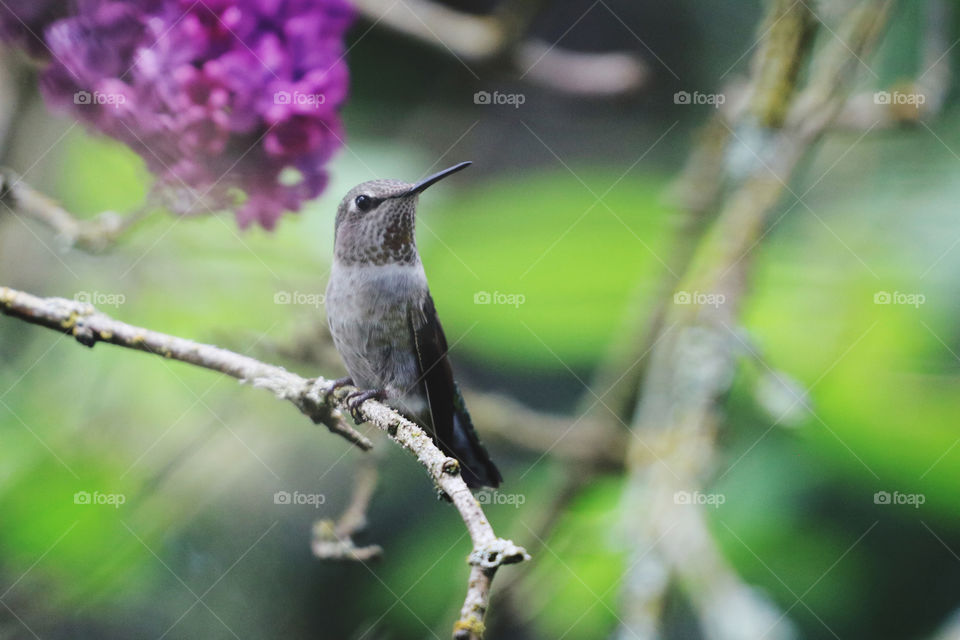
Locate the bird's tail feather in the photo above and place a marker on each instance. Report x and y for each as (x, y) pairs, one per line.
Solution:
(476, 467)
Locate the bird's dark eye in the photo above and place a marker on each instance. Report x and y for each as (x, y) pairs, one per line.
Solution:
(364, 203)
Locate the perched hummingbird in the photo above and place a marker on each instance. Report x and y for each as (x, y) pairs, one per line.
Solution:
(384, 324)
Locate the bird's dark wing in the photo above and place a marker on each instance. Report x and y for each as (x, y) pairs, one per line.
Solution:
(452, 428)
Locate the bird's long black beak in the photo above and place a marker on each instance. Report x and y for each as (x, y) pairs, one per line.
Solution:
(437, 177)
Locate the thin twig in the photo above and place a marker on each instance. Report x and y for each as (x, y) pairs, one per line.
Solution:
(95, 234)
(334, 540)
(314, 398)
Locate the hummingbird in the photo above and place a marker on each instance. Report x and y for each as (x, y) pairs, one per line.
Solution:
(385, 326)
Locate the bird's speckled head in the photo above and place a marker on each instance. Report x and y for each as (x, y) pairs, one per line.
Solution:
(375, 221)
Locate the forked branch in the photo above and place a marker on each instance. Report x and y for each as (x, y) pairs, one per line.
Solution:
(314, 398)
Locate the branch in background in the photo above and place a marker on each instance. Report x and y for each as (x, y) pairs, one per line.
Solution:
(588, 442)
(787, 34)
(785, 400)
(700, 184)
(950, 629)
(936, 74)
(499, 417)
(315, 399)
(95, 234)
(932, 85)
(697, 193)
(486, 37)
(334, 540)
(587, 73)
(693, 362)
(470, 36)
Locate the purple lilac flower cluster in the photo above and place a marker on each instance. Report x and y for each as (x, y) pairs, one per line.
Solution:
(230, 102)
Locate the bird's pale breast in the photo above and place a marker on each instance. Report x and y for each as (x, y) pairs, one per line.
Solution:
(368, 309)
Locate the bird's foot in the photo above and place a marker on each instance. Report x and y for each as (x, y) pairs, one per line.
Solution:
(357, 398)
(334, 385)
(340, 382)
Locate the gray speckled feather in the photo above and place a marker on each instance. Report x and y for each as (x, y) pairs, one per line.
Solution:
(367, 309)
(384, 324)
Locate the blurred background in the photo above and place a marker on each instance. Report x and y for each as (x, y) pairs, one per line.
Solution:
(842, 394)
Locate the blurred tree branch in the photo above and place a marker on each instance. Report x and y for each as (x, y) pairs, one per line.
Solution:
(927, 91)
(317, 400)
(698, 193)
(471, 36)
(949, 629)
(489, 37)
(692, 363)
(95, 235)
(334, 540)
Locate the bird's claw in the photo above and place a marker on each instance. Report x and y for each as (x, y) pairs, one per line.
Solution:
(357, 398)
(339, 382)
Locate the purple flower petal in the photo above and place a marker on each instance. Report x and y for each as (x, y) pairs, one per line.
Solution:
(218, 97)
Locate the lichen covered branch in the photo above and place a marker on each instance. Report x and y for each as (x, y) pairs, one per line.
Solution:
(316, 399)
(692, 363)
(88, 326)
